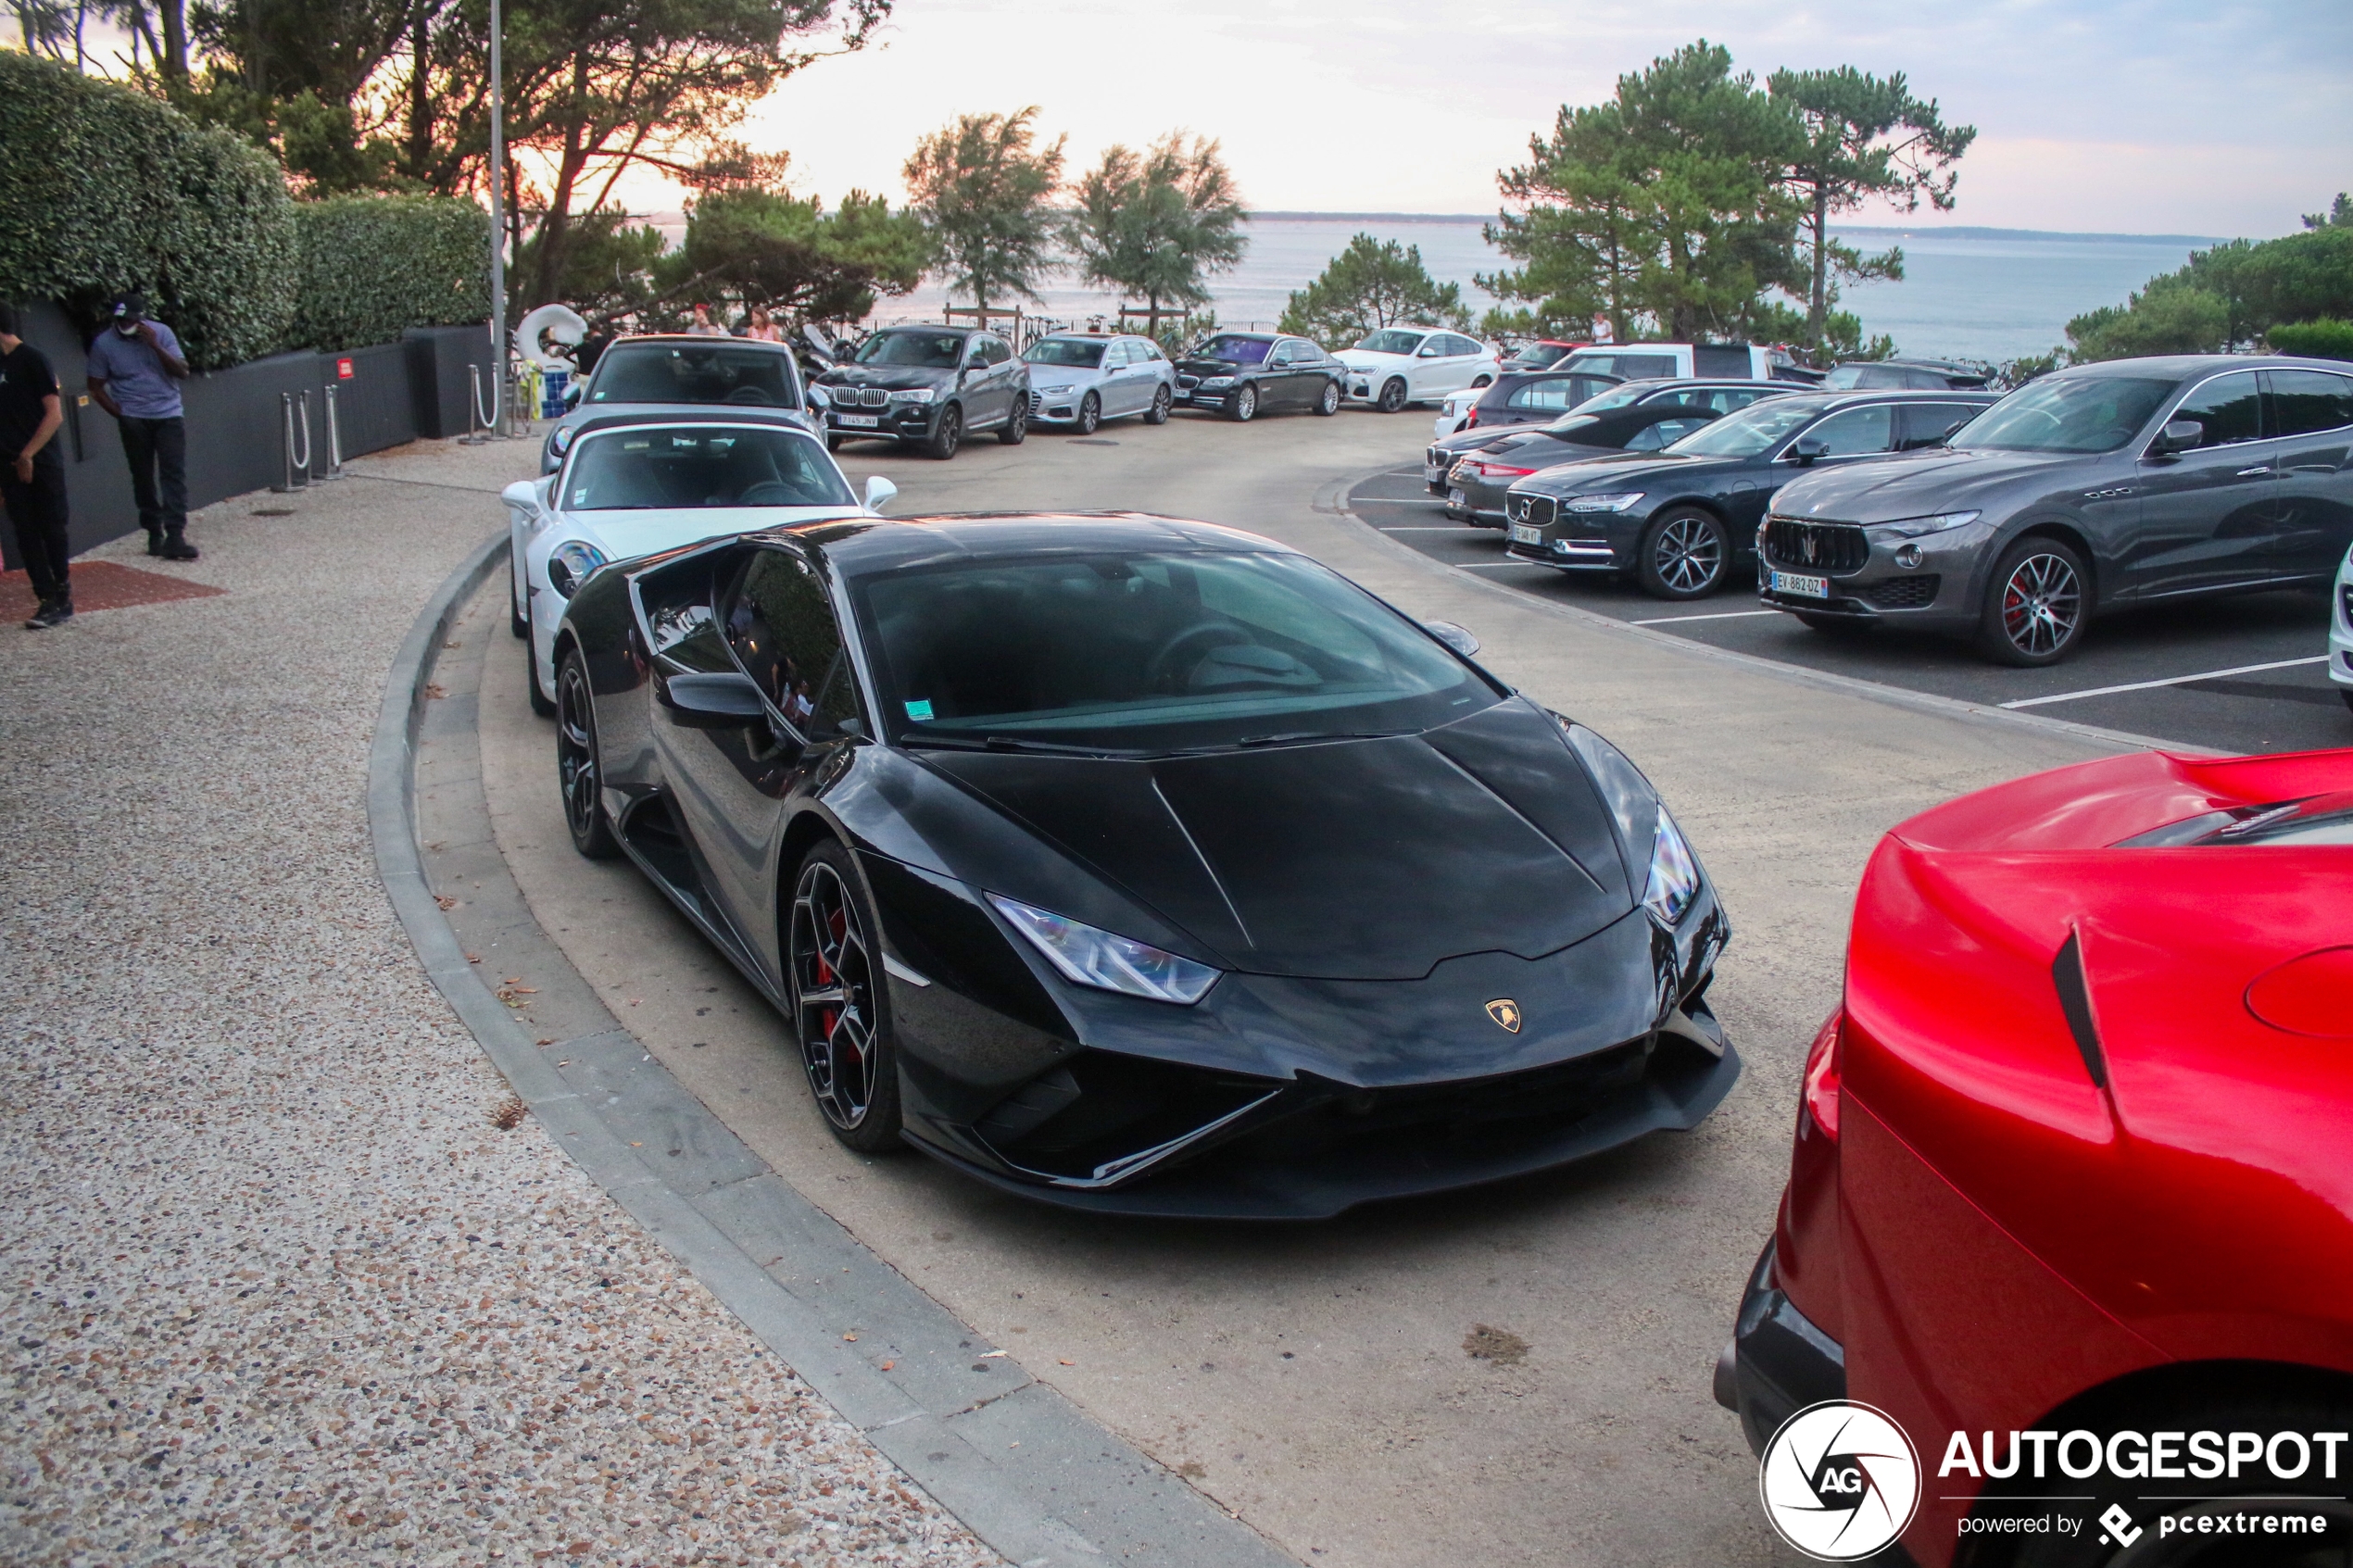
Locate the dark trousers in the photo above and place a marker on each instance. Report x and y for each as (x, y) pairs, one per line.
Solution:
(159, 453)
(38, 510)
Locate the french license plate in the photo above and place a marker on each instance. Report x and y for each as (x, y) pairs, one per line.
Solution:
(859, 421)
(1433, 472)
(1803, 587)
(1458, 500)
(1523, 534)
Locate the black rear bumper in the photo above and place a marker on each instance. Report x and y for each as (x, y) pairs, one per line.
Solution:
(1778, 1361)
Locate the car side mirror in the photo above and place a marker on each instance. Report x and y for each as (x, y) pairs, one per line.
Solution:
(573, 389)
(2179, 435)
(713, 702)
(522, 494)
(1459, 638)
(879, 490)
(1431, 351)
(846, 729)
(819, 398)
(1806, 449)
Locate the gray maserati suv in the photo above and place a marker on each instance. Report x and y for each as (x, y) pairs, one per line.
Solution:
(2129, 482)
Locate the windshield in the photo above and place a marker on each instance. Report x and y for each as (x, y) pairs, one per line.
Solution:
(2066, 414)
(937, 351)
(1065, 351)
(635, 469)
(1392, 342)
(1753, 431)
(1150, 652)
(1238, 350)
(669, 372)
(1539, 355)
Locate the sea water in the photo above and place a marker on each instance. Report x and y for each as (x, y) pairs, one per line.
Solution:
(1970, 297)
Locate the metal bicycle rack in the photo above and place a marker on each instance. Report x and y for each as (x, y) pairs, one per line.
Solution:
(298, 469)
(335, 439)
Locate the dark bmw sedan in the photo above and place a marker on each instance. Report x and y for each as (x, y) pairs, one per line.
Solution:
(1479, 481)
(1243, 375)
(930, 387)
(1139, 865)
(1719, 396)
(1683, 520)
(2130, 482)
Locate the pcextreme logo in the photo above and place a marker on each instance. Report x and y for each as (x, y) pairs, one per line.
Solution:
(1840, 1481)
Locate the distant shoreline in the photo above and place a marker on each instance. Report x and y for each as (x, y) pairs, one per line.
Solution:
(1925, 232)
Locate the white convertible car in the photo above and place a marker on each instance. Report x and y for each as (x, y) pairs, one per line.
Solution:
(1400, 365)
(634, 485)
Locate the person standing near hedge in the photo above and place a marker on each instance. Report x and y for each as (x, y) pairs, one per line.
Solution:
(32, 476)
(135, 371)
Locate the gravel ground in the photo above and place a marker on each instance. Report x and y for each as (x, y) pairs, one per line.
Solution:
(274, 1284)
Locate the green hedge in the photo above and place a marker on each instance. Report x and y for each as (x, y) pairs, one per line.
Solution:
(374, 265)
(2324, 339)
(104, 189)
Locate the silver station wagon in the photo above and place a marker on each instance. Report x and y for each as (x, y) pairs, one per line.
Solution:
(1082, 379)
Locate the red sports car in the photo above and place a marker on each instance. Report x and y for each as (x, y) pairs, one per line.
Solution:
(2071, 1197)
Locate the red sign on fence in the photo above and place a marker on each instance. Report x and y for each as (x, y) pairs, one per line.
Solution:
(343, 369)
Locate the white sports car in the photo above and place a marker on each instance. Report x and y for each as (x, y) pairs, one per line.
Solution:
(1400, 365)
(636, 484)
(2341, 631)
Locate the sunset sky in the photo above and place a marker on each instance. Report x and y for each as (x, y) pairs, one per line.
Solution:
(2131, 116)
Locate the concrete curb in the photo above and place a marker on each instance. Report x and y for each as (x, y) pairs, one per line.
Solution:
(1334, 500)
(1026, 1470)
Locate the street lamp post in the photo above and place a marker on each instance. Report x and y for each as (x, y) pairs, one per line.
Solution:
(499, 413)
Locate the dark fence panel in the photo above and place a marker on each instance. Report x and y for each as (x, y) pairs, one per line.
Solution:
(396, 392)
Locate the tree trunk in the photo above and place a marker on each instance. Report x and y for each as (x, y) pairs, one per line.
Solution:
(174, 16)
(419, 93)
(555, 226)
(1817, 306)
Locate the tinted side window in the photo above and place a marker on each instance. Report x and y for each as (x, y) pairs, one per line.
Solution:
(1925, 424)
(1303, 353)
(1731, 400)
(1659, 434)
(782, 628)
(2306, 402)
(2229, 408)
(1644, 367)
(1856, 431)
(1553, 392)
(1116, 357)
(1461, 346)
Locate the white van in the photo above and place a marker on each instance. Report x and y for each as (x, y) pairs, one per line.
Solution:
(1650, 361)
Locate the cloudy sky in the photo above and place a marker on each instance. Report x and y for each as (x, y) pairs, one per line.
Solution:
(2200, 117)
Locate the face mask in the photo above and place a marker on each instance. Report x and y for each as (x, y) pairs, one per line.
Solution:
(127, 329)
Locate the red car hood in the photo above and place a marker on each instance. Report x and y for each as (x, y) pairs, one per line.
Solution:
(2208, 1075)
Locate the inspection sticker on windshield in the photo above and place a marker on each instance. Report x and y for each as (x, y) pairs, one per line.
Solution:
(1523, 534)
(859, 421)
(1803, 587)
(920, 710)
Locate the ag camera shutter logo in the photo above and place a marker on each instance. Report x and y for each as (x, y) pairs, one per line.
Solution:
(1840, 1481)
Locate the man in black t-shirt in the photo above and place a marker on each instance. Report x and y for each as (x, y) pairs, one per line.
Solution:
(32, 476)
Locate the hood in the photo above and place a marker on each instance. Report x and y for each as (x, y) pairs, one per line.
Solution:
(1198, 365)
(1618, 470)
(1349, 859)
(1476, 439)
(1368, 358)
(892, 378)
(1921, 483)
(627, 535)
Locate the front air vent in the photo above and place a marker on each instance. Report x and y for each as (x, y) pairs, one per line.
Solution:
(1102, 1117)
(1537, 511)
(1829, 548)
(1904, 592)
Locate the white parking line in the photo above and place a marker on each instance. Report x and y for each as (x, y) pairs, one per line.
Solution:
(1434, 527)
(1719, 615)
(1495, 565)
(2169, 680)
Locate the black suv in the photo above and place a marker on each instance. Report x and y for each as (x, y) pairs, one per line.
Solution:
(2129, 483)
(927, 386)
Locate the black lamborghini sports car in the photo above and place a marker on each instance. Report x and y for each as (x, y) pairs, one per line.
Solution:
(1140, 865)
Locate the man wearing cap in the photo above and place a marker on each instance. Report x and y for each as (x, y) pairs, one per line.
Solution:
(135, 371)
(33, 477)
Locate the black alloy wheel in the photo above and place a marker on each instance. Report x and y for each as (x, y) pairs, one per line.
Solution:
(2036, 603)
(948, 434)
(1329, 403)
(579, 775)
(1478, 382)
(1244, 406)
(517, 621)
(1158, 413)
(1091, 414)
(541, 703)
(1392, 394)
(839, 1011)
(1684, 555)
(1015, 429)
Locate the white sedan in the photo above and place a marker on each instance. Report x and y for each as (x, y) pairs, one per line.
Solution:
(2341, 631)
(635, 486)
(1400, 365)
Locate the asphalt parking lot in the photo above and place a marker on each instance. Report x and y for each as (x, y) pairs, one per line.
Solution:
(2241, 674)
(1516, 1376)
